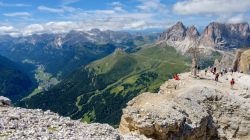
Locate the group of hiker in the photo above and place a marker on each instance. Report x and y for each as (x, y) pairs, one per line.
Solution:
(222, 72)
(217, 74)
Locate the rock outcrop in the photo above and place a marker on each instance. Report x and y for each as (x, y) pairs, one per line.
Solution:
(215, 36)
(244, 63)
(27, 124)
(241, 61)
(192, 109)
(4, 101)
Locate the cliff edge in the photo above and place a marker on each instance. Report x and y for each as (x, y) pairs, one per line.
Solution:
(34, 124)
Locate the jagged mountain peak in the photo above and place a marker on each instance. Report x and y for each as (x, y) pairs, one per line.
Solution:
(215, 35)
(192, 32)
(180, 24)
(175, 33)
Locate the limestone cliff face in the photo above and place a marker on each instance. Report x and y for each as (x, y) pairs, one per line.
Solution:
(244, 63)
(215, 36)
(192, 109)
(225, 36)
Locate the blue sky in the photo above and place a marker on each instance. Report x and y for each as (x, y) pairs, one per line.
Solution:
(38, 16)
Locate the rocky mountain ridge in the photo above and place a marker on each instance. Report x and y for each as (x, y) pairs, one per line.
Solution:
(23, 124)
(215, 36)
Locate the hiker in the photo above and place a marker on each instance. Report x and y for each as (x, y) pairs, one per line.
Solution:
(198, 69)
(221, 73)
(211, 70)
(176, 77)
(205, 72)
(231, 70)
(225, 70)
(214, 70)
(217, 77)
(232, 82)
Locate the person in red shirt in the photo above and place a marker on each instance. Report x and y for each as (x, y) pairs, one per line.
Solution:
(232, 82)
(176, 77)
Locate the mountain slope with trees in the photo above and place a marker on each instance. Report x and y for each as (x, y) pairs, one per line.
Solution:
(14, 83)
(98, 92)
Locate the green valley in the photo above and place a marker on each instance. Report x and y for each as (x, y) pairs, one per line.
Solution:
(98, 92)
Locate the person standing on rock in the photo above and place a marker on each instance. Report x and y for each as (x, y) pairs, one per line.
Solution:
(221, 73)
(217, 77)
(205, 72)
(176, 78)
(214, 70)
(231, 70)
(232, 82)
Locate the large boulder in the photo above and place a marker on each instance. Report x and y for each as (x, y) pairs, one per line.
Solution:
(5, 101)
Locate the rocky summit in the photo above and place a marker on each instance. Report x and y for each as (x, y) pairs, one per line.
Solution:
(27, 124)
(192, 109)
(180, 37)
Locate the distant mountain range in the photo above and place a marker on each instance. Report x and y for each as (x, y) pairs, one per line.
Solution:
(215, 36)
(65, 52)
(48, 58)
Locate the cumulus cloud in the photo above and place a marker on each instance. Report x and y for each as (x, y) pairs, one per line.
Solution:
(33, 28)
(50, 10)
(152, 5)
(217, 7)
(10, 30)
(237, 19)
(118, 6)
(6, 29)
(19, 14)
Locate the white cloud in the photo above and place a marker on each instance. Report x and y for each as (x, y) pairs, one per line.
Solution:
(237, 19)
(217, 7)
(2, 4)
(116, 3)
(33, 28)
(6, 29)
(62, 26)
(118, 6)
(152, 6)
(50, 10)
(17, 14)
(10, 30)
(67, 2)
(114, 18)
